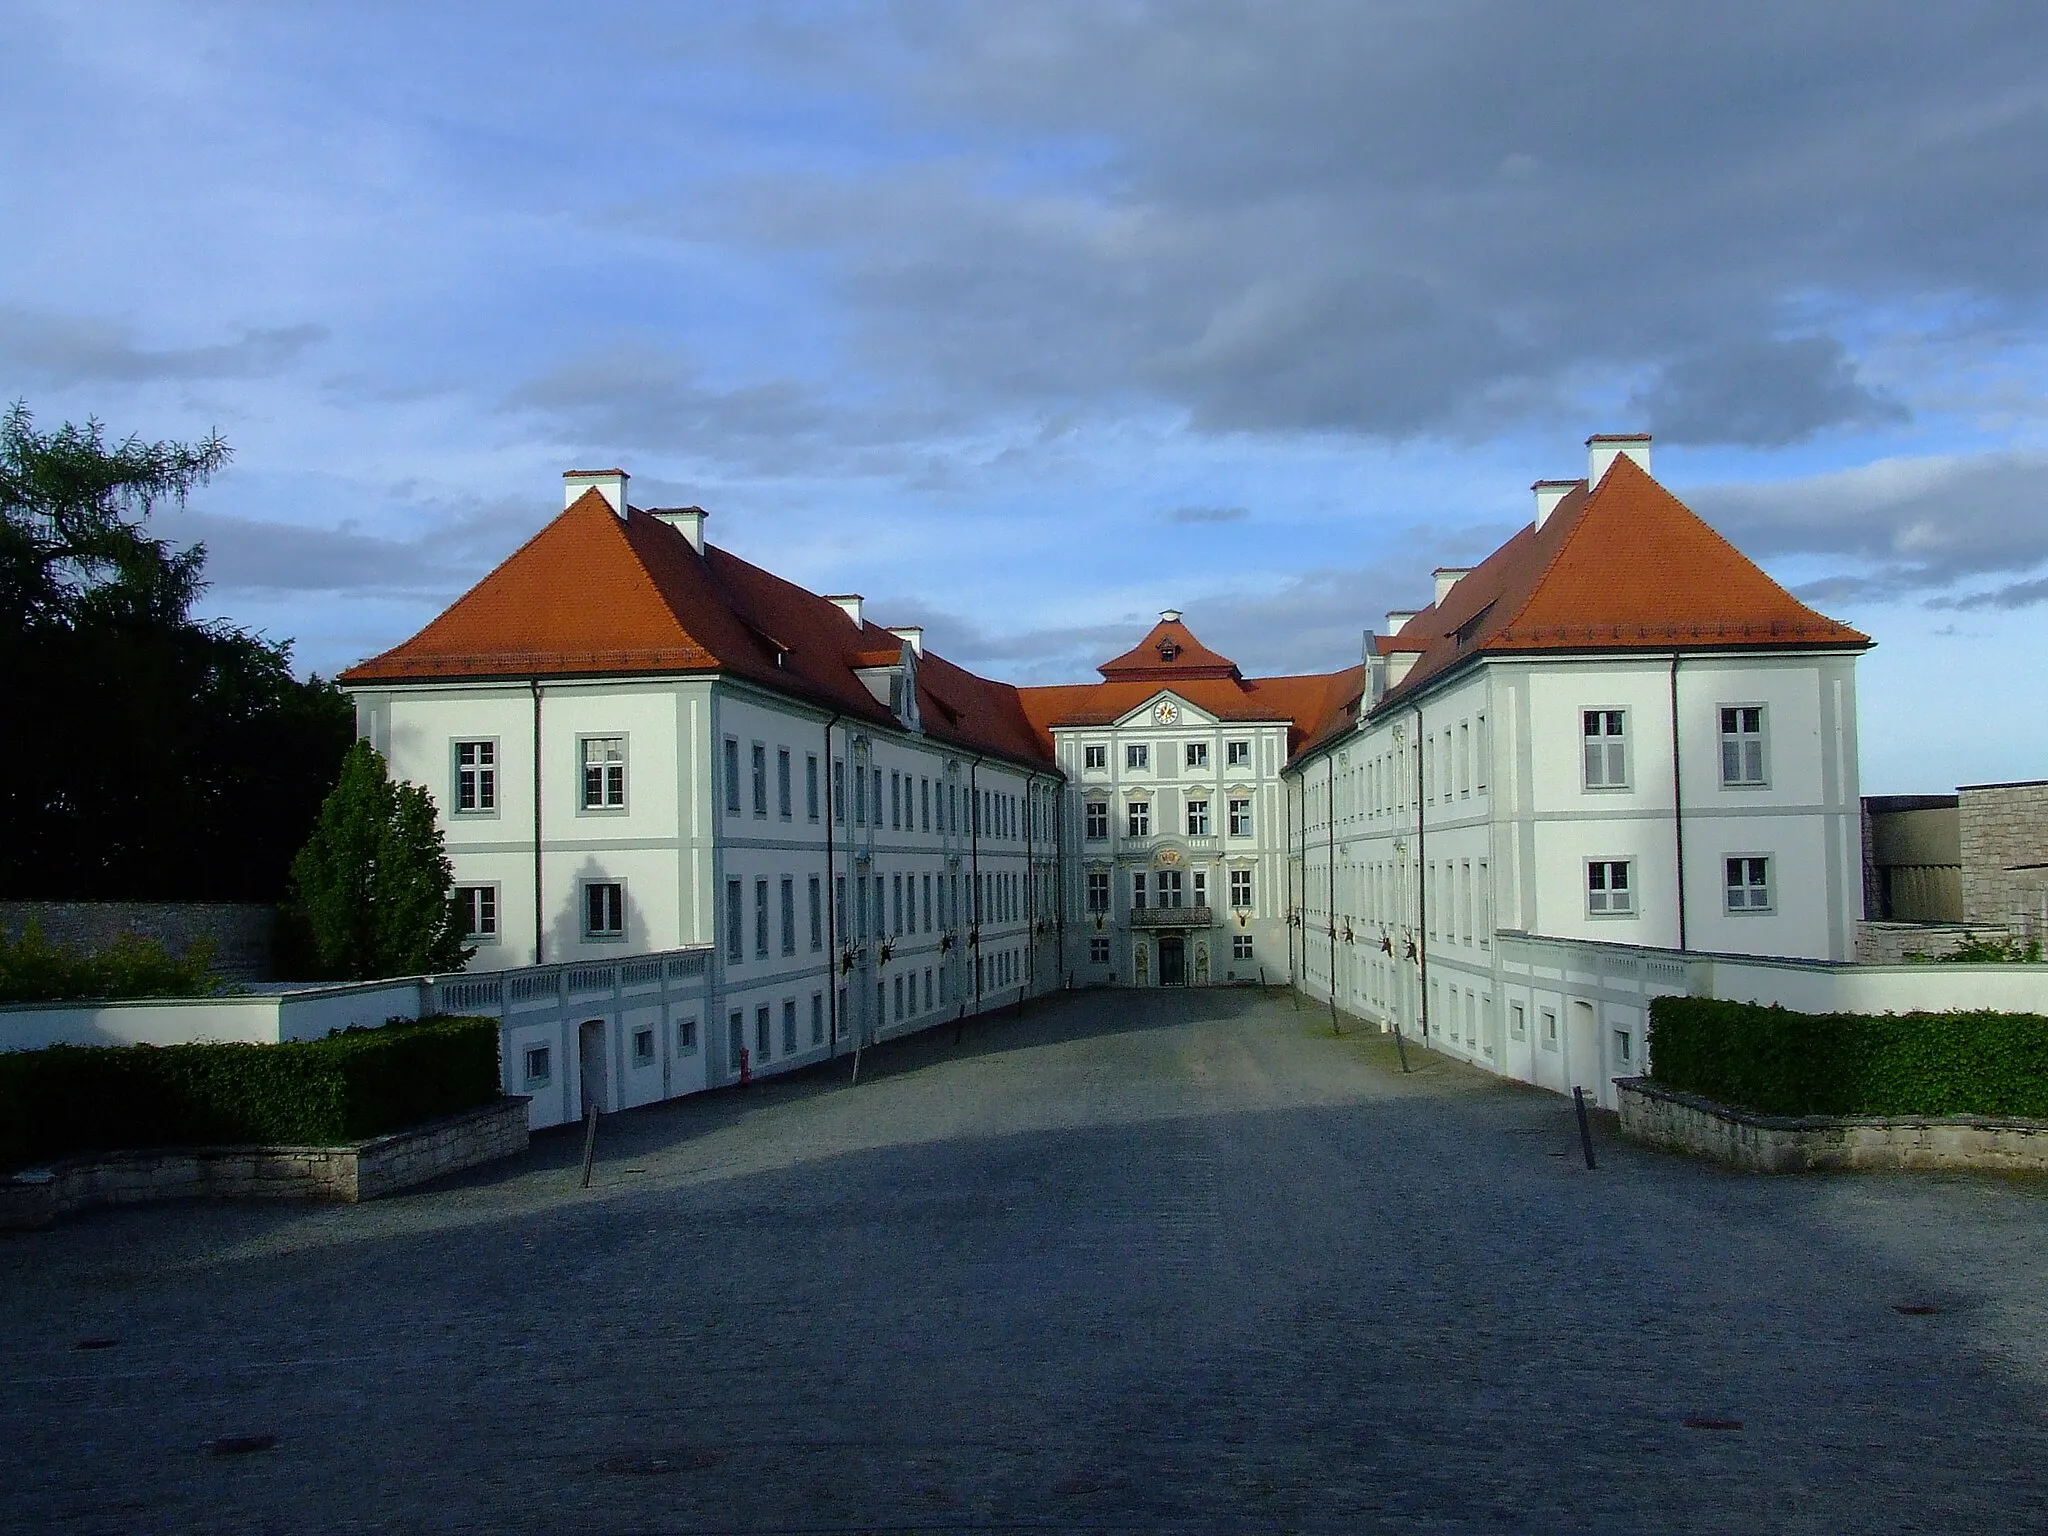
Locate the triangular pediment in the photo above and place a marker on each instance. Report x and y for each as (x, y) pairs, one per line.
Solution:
(1150, 714)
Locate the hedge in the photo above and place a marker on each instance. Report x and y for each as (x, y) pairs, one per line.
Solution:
(1776, 1062)
(71, 1099)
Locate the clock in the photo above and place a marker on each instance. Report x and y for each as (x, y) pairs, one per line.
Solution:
(1167, 712)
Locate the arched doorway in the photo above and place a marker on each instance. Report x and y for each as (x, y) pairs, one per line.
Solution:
(590, 1066)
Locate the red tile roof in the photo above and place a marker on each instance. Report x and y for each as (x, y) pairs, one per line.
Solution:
(595, 595)
(1624, 567)
(1166, 655)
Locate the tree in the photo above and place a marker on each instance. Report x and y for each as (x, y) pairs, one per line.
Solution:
(373, 884)
(153, 756)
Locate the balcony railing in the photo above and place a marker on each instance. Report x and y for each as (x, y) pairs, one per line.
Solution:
(1172, 917)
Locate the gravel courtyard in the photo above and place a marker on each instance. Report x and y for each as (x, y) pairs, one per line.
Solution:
(1160, 1261)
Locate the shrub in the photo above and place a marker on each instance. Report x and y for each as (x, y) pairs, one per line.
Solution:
(36, 971)
(70, 1099)
(1781, 1063)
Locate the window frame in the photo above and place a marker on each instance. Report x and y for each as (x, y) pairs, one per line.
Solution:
(485, 774)
(1239, 820)
(1740, 739)
(585, 889)
(1606, 890)
(1767, 886)
(530, 1078)
(1095, 757)
(1609, 741)
(1197, 816)
(604, 807)
(1137, 756)
(785, 785)
(732, 775)
(1195, 754)
(1241, 885)
(1237, 754)
(488, 889)
(1137, 818)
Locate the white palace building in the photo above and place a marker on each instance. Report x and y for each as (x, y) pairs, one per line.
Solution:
(1615, 737)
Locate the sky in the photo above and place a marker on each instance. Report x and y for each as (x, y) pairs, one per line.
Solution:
(1030, 321)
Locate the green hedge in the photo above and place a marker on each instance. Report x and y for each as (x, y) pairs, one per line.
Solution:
(71, 1099)
(33, 970)
(1780, 1063)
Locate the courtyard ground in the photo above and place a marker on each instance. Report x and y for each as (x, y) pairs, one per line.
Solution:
(1134, 1261)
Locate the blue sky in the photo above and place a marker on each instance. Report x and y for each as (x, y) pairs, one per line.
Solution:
(1029, 321)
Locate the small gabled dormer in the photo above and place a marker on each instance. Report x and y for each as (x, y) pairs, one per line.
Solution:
(891, 677)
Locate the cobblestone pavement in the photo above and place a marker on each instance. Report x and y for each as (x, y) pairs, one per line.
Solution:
(1131, 1262)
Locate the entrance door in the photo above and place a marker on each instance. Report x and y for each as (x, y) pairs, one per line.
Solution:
(1173, 961)
(590, 1064)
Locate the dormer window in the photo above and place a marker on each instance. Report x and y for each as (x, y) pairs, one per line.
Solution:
(1168, 649)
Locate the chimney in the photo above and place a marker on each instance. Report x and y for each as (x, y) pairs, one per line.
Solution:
(1603, 448)
(1397, 620)
(848, 604)
(688, 521)
(1447, 577)
(608, 483)
(910, 634)
(1548, 494)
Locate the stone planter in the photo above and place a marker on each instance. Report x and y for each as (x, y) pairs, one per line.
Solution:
(360, 1170)
(1756, 1143)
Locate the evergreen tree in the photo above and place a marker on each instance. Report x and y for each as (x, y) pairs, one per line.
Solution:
(373, 885)
(153, 756)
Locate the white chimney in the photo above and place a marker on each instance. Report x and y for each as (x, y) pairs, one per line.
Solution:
(848, 604)
(608, 483)
(1548, 494)
(1397, 620)
(1447, 577)
(911, 634)
(1603, 448)
(688, 521)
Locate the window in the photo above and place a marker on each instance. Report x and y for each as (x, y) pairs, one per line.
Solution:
(1095, 757)
(1749, 884)
(761, 918)
(1098, 950)
(817, 899)
(784, 805)
(1240, 818)
(896, 904)
(643, 1047)
(1139, 816)
(1095, 820)
(1137, 755)
(478, 906)
(817, 1018)
(927, 903)
(1549, 1029)
(898, 990)
(1198, 754)
(604, 910)
(760, 779)
(686, 1037)
(735, 930)
(840, 1023)
(736, 1037)
(1464, 760)
(811, 786)
(789, 1026)
(1482, 749)
(1606, 737)
(539, 1066)
(788, 915)
(1241, 946)
(1198, 818)
(604, 773)
(927, 989)
(878, 797)
(1138, 890)
(1624, 1048)
(838, 791)
(1742, 745)
(476, 777)
(1237, 754)
(839, 904)
(1098, 890)
(1169, 888)
(1518, 1022)
(1240, 888)
(896, 800)
(1608, 892)
(763, 1038)
(732, 777)
(924, 804)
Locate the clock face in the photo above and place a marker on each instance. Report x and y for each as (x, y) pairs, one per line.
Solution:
(1167, 712)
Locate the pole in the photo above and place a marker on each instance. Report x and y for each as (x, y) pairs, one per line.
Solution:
(589, 1140)
(1585, 1130)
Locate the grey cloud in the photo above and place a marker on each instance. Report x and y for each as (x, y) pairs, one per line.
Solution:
(1909, 526)
(1401, 221)
(1763, 392)
(1208, 514)
(244, 554)
(68, 350)
(2018, 594)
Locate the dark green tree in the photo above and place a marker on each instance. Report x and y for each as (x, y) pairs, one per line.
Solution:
(152, 756)
(373, 885)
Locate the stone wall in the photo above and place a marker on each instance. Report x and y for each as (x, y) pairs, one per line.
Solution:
(2005, 854)
(241, 933)
(1679, 1122)
(1891, 943)
(362, 1170)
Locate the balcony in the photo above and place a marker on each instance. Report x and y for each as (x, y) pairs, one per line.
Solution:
(1172, 917)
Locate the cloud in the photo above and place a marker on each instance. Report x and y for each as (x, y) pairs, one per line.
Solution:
(61, 350)
(250, 555)
(2018, 594)
(1207, 514)
(1762, 393)
(1906, 527)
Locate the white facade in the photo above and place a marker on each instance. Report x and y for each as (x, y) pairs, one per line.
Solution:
(1175, 849)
